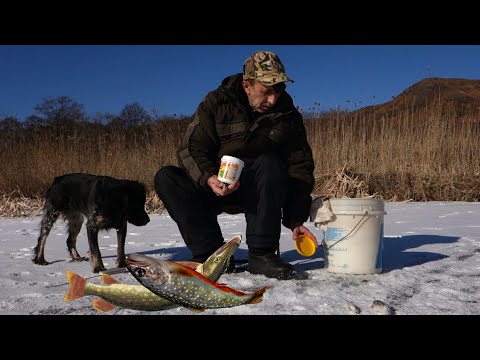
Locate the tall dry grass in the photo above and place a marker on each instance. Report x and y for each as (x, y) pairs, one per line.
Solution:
(32, 159)
(420, 154)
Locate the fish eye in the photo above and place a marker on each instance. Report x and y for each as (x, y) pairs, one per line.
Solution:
(140, 272)
(216, 260)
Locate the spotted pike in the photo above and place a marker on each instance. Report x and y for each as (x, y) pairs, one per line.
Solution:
(138, 297)
(184, 286)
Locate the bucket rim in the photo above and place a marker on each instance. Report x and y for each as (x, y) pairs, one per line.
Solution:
(358, 212)
(354, 199)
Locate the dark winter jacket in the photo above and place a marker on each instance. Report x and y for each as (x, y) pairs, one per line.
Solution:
(224, 124)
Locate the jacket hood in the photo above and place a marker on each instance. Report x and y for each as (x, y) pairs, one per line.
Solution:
(232, 86)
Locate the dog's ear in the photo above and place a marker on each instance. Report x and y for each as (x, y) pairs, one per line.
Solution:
(136, 191)
(137, 198)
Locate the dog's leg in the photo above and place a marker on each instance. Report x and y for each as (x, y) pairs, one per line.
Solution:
(74, 225)
(48, 219)
(121, 235)
(95, 256)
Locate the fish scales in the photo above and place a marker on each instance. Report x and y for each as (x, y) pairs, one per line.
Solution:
(180, 284)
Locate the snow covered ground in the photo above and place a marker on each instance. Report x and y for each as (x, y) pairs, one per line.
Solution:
(431, 265)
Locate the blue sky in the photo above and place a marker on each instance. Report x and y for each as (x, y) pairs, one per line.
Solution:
(175, 78)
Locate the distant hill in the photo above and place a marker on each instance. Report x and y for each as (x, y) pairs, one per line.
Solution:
(462, 95)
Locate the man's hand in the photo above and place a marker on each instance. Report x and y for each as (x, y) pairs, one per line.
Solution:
(220, 188)
(302, 230)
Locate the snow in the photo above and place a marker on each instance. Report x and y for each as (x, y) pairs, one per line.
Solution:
(431, 265)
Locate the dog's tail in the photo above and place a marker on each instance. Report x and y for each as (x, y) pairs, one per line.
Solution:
(77, 286)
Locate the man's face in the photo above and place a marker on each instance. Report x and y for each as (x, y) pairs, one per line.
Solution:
(260, 97)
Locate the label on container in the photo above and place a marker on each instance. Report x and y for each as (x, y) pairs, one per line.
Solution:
(230, 169)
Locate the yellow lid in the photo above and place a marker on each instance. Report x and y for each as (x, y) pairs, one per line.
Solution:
(305, 245)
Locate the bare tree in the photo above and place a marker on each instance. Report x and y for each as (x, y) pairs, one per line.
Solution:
(134, 114)
(10, 127)
(61, 108)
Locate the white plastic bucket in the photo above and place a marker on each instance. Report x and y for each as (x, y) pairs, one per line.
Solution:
(230, 169)
(353, 238)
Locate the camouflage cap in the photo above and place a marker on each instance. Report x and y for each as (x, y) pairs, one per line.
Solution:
(265, 67)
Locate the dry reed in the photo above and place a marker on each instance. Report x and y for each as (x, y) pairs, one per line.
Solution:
(420, 154)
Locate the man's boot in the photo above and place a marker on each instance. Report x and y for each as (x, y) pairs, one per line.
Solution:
(270, 265)
(231, 266)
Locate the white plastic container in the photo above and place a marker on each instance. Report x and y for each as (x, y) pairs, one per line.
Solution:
(230, 169)
(353, 239)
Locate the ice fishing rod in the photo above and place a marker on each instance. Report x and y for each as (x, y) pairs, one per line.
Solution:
(107, 272)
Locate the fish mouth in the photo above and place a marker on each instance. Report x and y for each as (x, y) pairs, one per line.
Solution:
(130, 260)
(236, 240)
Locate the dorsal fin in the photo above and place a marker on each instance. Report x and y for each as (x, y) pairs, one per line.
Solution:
(183, 271)
(190, 264)
(107, 279)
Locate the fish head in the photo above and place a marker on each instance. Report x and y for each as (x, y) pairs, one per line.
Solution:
(147, 270)
(218, 262)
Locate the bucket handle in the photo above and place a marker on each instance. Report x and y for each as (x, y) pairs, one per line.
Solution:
(336, 242)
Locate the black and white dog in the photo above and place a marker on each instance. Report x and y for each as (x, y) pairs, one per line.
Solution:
(104, 201)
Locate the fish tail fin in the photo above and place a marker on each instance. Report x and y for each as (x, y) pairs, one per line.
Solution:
(258, 295)
(107, 279)
(77, 286)
(102, 305)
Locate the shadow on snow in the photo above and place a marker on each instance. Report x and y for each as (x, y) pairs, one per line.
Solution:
(397, 253)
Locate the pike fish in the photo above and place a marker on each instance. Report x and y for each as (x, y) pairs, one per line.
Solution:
(184, 286)
(138, 297)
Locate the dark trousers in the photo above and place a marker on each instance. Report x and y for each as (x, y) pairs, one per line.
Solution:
(262, 192)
